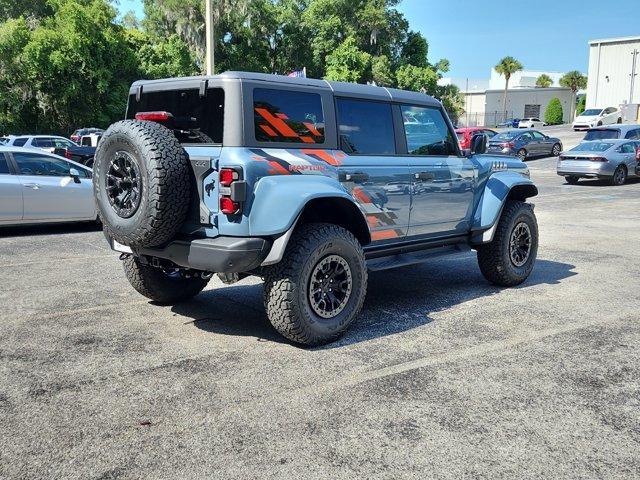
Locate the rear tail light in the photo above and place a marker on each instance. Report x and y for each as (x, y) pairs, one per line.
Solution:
(228, 176)
(154, 116)
(507, 145)
(233, 190)
(228, 206)
(598, 159)
(67, 154)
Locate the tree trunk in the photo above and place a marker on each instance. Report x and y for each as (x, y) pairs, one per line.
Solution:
(504, 99)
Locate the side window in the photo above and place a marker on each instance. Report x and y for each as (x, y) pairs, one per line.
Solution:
(19, 142)
(490, 133)
(35, 164)
(42, 142)
(633, 135)
(627, 148)
(526, 136)
(4, 166)
(61, 143)
(537, 135)
(365, 127)
(287, 116)
(427, 133)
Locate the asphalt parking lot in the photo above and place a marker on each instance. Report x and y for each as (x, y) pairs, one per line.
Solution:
(443, 376)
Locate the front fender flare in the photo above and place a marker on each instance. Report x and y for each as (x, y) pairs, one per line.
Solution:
(500, 187)
(279, 199)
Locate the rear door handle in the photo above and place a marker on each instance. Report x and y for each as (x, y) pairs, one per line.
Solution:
(33, 186)
(425, 176)
(356, 177)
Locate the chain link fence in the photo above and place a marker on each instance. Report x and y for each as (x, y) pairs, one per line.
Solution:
(483, 119)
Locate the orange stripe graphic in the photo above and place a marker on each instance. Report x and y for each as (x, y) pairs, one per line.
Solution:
(384, 234)
(269, 131)
(306, 139)
(277, 123)
(322, 154)
(312, 129)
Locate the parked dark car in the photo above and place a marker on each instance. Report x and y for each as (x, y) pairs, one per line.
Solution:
(83, 155)
(510, 123)
(525, 144)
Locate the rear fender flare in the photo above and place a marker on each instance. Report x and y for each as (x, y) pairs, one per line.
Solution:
(500, 187)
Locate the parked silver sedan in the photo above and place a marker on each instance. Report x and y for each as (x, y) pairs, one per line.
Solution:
(39, 187)
(614, 160)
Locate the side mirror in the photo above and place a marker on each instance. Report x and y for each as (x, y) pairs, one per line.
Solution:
(75, 174)
(479, 144)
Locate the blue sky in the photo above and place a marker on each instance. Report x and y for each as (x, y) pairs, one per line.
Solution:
(549, 35)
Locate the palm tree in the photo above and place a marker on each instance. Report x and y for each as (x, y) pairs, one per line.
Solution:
(507, 67)
(575, 81)
(544, 81)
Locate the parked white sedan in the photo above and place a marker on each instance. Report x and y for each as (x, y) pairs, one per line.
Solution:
(531, 123)
(39, 187)
(48, 143)
(594, 117)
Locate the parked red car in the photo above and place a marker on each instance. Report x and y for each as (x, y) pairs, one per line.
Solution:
(465, 134)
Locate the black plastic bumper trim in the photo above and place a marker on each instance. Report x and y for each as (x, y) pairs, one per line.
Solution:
(219, 255)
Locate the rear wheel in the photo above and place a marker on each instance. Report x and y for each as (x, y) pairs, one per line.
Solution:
(572, 180)
(619, 176)
(160, 284)
(522, 154)
(508, 260)
(314, 294)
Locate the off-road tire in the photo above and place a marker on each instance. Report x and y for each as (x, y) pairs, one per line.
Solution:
(155, 284)
(494, 258)
(286, 284)
(165, 176)
(572, 180)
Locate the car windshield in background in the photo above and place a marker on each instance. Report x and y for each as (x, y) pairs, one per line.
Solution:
(602, 134)
(3, 140)
(505, 136)
(590, 113)
(592, 147)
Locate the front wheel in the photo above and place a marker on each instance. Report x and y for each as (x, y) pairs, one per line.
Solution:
(555, 151)
(509, 259)
(314, 294)
(162, 285)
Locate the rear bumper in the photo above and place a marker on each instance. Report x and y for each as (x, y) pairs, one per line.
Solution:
(219, 254)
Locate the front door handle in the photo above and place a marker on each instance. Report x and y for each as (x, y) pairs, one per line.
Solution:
(356, 177)
(425, 176)
(33, 186)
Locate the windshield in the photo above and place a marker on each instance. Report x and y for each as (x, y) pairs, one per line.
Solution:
(591, 112)
(592, 147)
(460, 136)
(505, 136)
(602, 134)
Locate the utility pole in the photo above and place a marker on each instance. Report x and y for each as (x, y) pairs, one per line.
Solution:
(634, 64)
(210, 40)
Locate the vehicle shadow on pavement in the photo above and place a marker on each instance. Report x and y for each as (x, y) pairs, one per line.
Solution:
(397, 300)
(49, 229)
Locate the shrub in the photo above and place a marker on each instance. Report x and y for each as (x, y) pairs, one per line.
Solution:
(582, 105)
(553, 115)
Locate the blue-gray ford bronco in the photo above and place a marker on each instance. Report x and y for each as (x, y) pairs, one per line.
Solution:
(306, 183)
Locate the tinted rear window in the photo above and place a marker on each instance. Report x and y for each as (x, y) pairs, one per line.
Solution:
(287, 116)
(365, 127)
(602, 134)
(195, 119)
(592, 147)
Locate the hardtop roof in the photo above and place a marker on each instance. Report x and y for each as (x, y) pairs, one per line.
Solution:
(342, 89)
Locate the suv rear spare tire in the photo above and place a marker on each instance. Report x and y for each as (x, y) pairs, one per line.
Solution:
(141, 183)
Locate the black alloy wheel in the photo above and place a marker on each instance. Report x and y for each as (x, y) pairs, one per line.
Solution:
(330, 286)
(124, 184)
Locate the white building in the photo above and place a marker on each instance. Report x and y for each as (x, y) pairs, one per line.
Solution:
(614, 68)
(522, 79)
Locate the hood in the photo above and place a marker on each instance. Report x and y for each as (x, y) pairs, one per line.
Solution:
(586, 118)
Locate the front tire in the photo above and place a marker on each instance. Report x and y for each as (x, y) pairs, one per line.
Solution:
(314, 294)
(555, 151)
(509, 259)
(161, 285)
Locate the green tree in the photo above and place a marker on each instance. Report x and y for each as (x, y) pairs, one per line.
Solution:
(381, 71)
(507, 67)
(419, 79)
(575, 81)
(544, 81)
(161, 58)
(582, 105)
(553, 114)
(348, 63)
(415, 50)
(452, 101)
